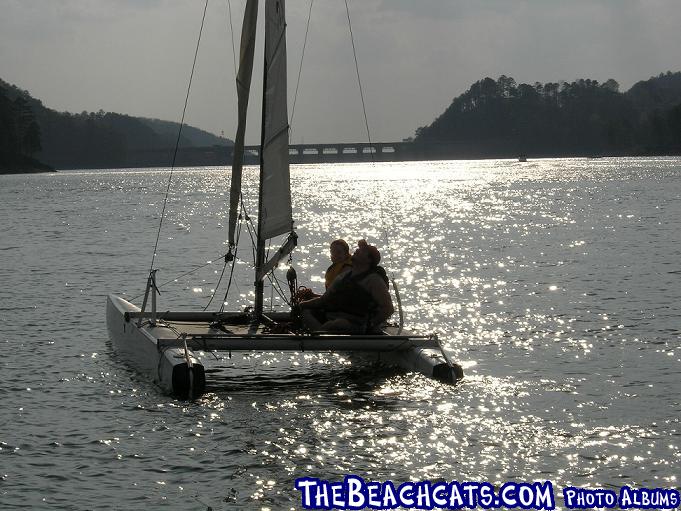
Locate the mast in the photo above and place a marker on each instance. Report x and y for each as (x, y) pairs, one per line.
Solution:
(260, 240)
(275, 216)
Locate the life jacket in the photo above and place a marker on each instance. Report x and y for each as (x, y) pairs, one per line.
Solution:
(336, 269)
(350, 297)
(380, 271)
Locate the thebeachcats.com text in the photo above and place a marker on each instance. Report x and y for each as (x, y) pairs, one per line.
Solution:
(353, 492)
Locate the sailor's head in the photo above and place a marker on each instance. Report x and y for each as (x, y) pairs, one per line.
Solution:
(366, 254)
(340, 251)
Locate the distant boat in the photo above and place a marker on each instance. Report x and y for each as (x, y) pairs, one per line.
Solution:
(522, 158)
(165, 345)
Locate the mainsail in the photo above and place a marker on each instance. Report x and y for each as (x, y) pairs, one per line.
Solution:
(274, 205)
(275, 215)
(275, 199)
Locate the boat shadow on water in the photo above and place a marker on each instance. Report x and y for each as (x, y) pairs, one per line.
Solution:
(346, 387)
(324, 378)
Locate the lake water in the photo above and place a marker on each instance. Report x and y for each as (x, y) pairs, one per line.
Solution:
(556, 284)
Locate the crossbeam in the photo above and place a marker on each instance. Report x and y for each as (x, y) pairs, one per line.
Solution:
(206, 317)
(322, 342)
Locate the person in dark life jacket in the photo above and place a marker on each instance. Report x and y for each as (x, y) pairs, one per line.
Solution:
(358, 300)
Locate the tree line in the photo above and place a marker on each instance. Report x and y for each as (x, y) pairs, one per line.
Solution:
(29, 132)
(584, 117)
(19, 133)
(493, 118)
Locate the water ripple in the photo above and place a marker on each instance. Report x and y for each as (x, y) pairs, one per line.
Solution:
(553, 282)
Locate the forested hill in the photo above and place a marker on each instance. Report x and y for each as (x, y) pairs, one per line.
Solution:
(19, 135)
(503, 118)
(494, 118)
(29, 131)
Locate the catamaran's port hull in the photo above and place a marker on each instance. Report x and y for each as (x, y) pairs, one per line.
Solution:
(165, 352)
(175, 371)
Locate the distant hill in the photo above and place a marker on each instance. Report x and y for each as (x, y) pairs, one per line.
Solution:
(19, 135)
(659, 93)
(500, 118)
(493, 118)
(194, 136)
(109, 140)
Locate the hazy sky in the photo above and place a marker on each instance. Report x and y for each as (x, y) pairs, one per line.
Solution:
(415, 56)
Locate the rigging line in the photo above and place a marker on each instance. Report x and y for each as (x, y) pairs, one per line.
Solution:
(281, 295)
(224, 267)
(245, 212)
(229, 285)
(250, 227)
(275, 283)
(222, 274)
(231, 272)
(231, 31)
(247, 217)
(300, 70)
(159, 286)
(366, 123)
(359, 81)
(277, 287)
(179, 134)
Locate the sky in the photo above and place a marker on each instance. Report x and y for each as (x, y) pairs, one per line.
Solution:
(414, 56)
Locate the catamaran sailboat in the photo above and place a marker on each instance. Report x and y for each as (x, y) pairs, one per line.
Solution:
(167, 345)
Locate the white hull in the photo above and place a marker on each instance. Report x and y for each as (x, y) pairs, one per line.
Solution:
(165, 366)
(161, 352)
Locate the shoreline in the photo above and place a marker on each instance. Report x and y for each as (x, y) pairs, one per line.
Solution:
(25, 165)
(40, 168)
(11, 172)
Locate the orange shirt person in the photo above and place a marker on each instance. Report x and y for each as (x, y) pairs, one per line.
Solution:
(341, 261)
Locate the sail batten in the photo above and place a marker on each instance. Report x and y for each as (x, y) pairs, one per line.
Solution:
(275, 135)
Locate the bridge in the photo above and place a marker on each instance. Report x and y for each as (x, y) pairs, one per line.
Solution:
(395, 151)
(347, 152)
(327, 153)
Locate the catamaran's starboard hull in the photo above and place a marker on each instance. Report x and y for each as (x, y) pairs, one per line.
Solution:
(162, 352)
(427, 361)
